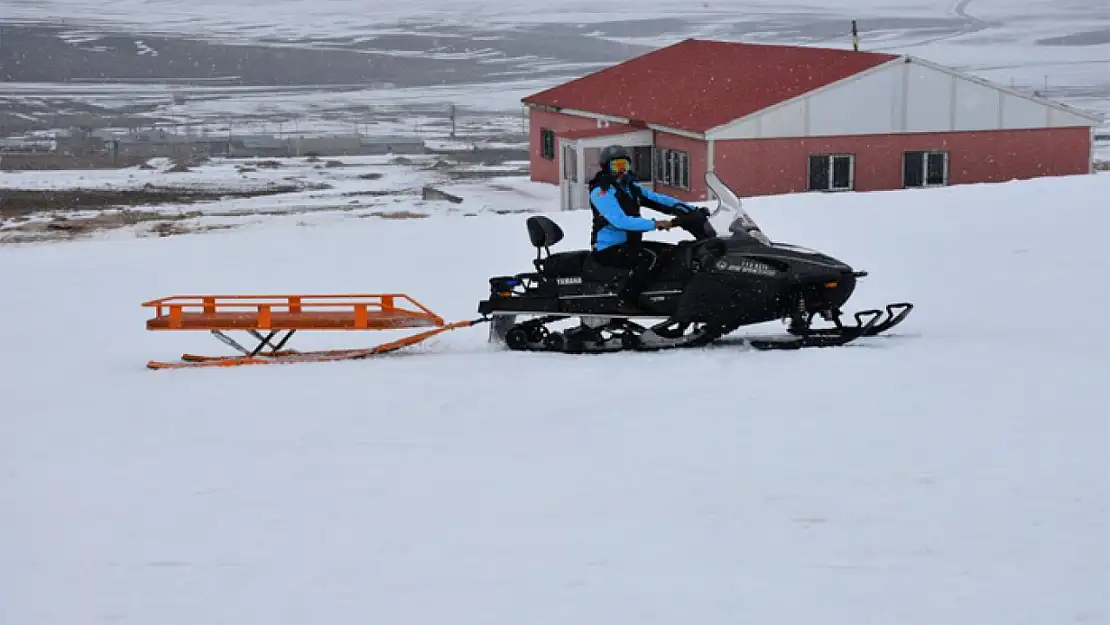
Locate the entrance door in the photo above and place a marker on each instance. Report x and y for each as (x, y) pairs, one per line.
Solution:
(589, 157)
(570, 187)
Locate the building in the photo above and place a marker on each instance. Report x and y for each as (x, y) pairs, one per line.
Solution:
(160, 142)
(156, 143)
(779, 119)
(392, 145)
(248, 146)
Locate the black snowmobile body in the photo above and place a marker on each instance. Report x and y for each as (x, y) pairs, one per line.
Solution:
(707, 288)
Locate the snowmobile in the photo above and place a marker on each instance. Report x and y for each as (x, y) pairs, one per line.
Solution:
(707, 288)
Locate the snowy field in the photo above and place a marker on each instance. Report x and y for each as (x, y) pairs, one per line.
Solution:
(362, 177)
(952, 473)
(325, 22)
(1060, 47)
(310, 189)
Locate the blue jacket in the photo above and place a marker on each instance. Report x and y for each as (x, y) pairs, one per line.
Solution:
(620, 223)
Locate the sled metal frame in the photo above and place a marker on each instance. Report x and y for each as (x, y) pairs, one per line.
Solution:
(265, 317)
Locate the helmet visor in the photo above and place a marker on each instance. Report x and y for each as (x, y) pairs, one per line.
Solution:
(619, 165)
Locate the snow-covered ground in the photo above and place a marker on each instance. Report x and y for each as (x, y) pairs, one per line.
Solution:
(1061, 48)
(313, 110)
(324, 22)
(327, 20)
(346, 187)
(953, 473)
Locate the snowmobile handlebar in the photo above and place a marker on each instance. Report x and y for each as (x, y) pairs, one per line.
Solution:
(706, 246)
(696, 222)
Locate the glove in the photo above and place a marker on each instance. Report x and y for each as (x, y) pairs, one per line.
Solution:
(666, 224)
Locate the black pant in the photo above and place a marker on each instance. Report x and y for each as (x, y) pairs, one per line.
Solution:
(643, 262)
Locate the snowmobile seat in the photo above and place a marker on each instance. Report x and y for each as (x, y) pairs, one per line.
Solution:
(565, 263)
(543, 232)
(594, 271)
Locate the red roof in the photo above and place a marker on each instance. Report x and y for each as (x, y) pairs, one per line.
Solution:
(596, 132)
(696, 84)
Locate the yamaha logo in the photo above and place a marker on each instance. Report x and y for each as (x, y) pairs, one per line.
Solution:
(747, 266)
(569, 280)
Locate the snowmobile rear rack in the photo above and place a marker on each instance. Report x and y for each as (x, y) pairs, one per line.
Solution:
(265, 317)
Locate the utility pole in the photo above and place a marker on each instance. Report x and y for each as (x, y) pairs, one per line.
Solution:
(855, 36)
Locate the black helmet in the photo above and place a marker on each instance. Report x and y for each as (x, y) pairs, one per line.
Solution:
(611, 152)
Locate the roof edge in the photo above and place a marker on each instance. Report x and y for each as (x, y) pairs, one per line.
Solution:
(638, 125)
(951, 71)
(716, 130)
(689, 134)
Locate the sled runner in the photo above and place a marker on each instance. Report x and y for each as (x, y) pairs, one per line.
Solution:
(271, 320)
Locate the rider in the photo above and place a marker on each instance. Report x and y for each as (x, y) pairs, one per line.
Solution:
(616, 198)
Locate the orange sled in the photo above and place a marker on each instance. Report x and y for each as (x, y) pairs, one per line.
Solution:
(265, 317)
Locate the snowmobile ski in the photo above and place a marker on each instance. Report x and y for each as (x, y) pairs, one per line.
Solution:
(893, 318)
(827, 337)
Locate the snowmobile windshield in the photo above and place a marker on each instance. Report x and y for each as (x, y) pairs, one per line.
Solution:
(726, 199)
(741, 223)
(728, 205)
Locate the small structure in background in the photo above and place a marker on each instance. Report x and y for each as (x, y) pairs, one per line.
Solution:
(391, 145)
(26, 145)
(432, 194)
(84, 147)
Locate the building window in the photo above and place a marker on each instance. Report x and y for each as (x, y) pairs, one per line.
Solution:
(641, 163)
(672, 168)
(831, 172)
(547, 143)
(924, 169)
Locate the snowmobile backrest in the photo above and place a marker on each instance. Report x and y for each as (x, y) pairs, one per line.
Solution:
(543, 231)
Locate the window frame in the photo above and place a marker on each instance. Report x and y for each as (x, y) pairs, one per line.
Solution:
(672, 168)
(547, 144)
(643, 162)
(829, 160)
(925, 154)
